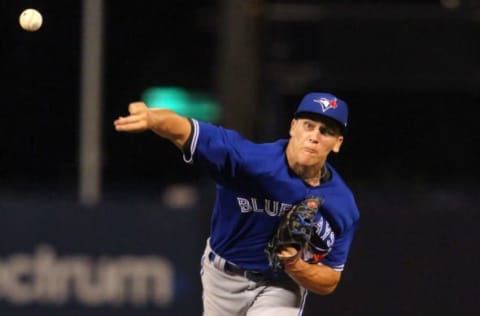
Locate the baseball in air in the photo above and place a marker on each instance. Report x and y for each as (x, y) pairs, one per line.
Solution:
(30, 20)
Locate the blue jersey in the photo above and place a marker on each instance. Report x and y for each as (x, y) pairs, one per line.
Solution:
(255, 187)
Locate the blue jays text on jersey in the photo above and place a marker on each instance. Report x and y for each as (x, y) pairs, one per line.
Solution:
(255, 186)
(271, 208)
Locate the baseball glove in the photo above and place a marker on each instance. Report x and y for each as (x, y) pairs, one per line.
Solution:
(294, 231)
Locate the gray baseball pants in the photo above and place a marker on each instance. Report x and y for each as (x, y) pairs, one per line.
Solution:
(229, 294)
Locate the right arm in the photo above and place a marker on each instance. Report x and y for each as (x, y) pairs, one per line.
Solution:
(163, 122)
(217, 148)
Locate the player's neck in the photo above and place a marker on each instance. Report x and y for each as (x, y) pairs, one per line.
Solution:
(310, 175)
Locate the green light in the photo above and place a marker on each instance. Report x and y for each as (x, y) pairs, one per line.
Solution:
(200, 106)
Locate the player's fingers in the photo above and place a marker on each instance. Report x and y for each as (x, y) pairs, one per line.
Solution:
(288, 256)
(128, 119)
(131, 127)
(130, 123)
(288, 252)
(137, 108)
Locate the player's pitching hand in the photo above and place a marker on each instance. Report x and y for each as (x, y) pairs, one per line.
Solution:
(137, 120)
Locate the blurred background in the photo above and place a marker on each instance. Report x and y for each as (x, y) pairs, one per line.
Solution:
(94, 222)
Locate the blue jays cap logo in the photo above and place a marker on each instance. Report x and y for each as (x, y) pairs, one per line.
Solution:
(321, 103)
(326, 104)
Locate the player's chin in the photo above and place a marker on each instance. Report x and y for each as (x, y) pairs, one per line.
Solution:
(309, 160)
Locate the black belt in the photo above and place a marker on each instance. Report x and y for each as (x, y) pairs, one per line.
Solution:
(232, 268)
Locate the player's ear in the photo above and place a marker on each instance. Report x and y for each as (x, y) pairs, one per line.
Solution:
(338, 144)
(292, 125)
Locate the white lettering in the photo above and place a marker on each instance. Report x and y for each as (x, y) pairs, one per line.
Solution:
(17, 281)
(325, 232)
(255, 205)
(271, 208)
(244, 204)
(45, 278)
(268, 210)
(284, 208)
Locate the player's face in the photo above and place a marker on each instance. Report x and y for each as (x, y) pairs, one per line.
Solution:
(311, 141)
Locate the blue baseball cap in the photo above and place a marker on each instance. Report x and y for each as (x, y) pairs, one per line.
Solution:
(324, 104)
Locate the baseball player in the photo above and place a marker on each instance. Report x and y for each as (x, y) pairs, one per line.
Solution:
(257, 186)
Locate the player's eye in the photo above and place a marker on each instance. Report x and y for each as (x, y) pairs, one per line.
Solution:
(308, 126)
(327, 131)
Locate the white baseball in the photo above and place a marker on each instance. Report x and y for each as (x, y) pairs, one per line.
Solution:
(30, 20)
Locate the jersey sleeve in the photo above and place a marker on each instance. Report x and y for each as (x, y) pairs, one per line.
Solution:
(217, 149)
(337, 256)
(328, 246)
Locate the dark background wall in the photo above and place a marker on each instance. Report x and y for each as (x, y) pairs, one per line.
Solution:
(408, 69)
